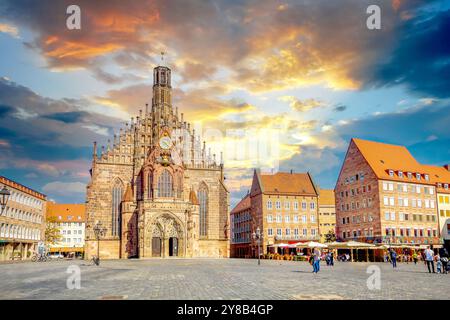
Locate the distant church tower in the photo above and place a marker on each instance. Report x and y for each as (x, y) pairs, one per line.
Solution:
(156, 190)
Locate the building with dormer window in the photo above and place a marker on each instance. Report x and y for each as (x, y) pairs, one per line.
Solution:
(383, 195)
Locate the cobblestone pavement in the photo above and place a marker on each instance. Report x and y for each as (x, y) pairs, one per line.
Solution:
(218, 279)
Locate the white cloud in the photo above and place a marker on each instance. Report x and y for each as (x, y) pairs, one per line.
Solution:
(9, 29)
(64, 188)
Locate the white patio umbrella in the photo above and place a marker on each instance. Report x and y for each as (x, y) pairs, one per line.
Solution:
(355, 244)
(311, 244)
(281, 245)
(336, 244)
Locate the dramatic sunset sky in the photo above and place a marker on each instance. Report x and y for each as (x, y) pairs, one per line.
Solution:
(311, 70)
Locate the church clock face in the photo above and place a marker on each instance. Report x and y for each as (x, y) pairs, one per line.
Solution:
(165, 142)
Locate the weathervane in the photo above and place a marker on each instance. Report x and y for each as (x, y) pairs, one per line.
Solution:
(162, 57)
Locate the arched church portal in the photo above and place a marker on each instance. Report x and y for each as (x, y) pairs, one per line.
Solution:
(166, 237)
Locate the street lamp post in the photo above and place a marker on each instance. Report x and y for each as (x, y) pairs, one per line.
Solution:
(98, 231)
(257, 236)
(4, 197)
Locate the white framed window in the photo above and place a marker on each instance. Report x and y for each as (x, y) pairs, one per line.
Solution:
(287, 218)
(269, 205)
(295, 205)
(269, 218)
(288, 231)
(313, 218)
(278, 205)
(287, 205)
(279, 218)
(391, 201)
(296, 218)
(305, 232)
(304, 218)
(387, 216)
(270, 232)
(279, 232)
(303, 205)
(312, 205)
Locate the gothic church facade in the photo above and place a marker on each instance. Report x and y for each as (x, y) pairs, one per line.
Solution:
(155, 190)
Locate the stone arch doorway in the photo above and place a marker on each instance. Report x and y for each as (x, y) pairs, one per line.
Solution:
(173, 247)
(157, 240)
(166, 237)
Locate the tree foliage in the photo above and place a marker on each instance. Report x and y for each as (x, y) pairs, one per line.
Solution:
(330, 236)
(52, 231)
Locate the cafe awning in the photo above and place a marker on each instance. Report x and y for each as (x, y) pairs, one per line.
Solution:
(351, 245)
(310, 244)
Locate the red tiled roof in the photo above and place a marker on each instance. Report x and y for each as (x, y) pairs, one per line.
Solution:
(244, 204)
(289, 183)
(383, 157)
(77, 212)
(326, 197)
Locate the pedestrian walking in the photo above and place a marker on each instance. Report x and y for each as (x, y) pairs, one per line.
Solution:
(415, 257)
(444, 260)
(331, 258)
(316, 261)
(438, 264)
(429, 259)
(393, 255)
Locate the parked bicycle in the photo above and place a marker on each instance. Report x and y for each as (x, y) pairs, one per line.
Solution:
(39, 257)
(95, 260)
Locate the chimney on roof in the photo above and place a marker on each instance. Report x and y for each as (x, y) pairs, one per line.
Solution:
(447, 167)
(292, 171)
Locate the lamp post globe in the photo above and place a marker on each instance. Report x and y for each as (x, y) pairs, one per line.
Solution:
(99, 231)
(4, 197)
(257, 236)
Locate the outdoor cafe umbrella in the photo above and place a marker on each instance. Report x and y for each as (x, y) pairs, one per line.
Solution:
(311, 244)
(352, 245)
(281, 245)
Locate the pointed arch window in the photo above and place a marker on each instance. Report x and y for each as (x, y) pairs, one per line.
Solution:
(139, 193)
(203, 202)
(165, 184)
(150, 185)
(180, 186)
(117, 192)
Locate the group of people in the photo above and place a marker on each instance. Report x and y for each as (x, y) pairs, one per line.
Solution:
(429, 257)
(316, 256)
(441, 259)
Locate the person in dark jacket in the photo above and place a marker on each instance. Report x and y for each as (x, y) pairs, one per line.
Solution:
(393, 255)
(444, 260)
